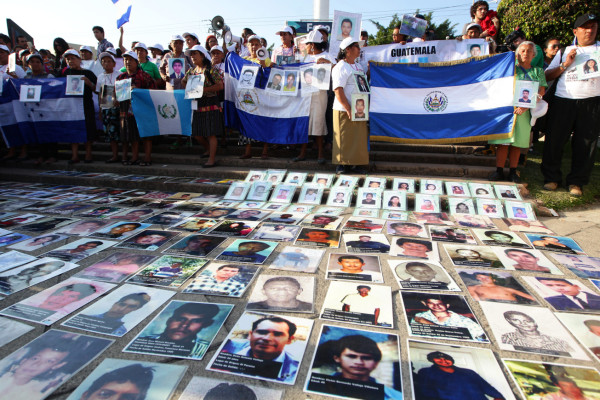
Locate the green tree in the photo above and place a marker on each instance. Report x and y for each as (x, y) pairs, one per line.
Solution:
(543, 19)
(384, 34)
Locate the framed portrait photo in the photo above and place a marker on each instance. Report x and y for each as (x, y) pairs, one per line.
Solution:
(311, 193)
(237, 191)
(339, 197)
(259, 191)
(75, 85)
(360, 107)
(525, 94)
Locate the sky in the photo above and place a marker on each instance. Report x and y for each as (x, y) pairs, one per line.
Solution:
(154, 21)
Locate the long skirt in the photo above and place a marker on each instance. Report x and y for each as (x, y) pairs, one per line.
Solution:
(350, 140)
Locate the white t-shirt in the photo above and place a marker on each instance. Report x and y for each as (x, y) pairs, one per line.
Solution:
(18, 70)
(317, 57)
(342, 76)
(106, 79)
(568, 86)
(359, 304)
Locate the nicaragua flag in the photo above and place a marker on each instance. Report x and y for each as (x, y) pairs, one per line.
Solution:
(123, 11)
(263, 116)
(55, 118)
(468, 101)
(162, 112)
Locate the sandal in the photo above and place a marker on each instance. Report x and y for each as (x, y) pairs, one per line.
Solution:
(144, 163)
(134, 162)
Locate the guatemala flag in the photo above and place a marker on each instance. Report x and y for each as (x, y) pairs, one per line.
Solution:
(263, 116)
(55, 118)
(123, 11)
(162, 112)
(466, 101)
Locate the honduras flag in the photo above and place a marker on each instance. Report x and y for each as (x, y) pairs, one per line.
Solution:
(162, 112)
(263, 116)
(123, 11)
(469, 100)
(55, 118)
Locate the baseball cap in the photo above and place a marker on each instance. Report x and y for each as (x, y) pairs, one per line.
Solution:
(131, 54)
(140, 45)
(35, 55)
(111, 50)
(347, 42)
(216, 47)
(71, 52)
(474, 25)
(314, 37)
(177, 37)
(199, 48)
(157, 46)
(582, 19)
(254, 37)
(286, 29)
(86, 48)
(190, 34)
(105, 54)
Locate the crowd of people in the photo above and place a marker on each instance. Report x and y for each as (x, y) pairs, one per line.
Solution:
(574, 108)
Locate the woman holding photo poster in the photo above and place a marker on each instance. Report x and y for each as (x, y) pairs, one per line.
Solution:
(317, 125)
(207, 122)
(350, 138)
(521, 137)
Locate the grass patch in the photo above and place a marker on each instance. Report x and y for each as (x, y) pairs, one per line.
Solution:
(559, 199)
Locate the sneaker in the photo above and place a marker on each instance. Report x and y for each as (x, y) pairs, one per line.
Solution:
(575, 190)
(496, 176)
(340, 169)
(514, 177)
(550, 186)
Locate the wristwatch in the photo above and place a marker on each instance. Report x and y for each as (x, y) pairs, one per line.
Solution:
(562, 66)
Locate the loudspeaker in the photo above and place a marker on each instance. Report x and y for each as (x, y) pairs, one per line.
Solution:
(217, 23)
(262, 53)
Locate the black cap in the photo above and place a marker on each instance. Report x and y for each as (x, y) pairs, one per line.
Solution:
(582, 19)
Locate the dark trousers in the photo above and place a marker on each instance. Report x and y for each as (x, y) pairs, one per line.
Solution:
(582, 118)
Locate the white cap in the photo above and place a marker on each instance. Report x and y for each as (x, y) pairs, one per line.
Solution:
(253, 37)
(111, 50)
(131, 54)
(314, 37)
(190, 34)
(541, 108)
(177, 37)
(199, 48)
(321, 28)
(474, 25)
(347, 42)
(140, 45)
(71, 52)
(3, 47)
(86, 48)
(105, 54)
(36, 55)
(157, 46)
(216, 48)
(286, 29)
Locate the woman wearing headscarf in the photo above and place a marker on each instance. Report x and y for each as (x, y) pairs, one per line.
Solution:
(350, 138)
(207, 121)
(317, 125)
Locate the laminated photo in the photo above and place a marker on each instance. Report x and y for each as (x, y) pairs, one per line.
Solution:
(324, 180)
(331, 210)
(521, 225)
(100, 212)
(274, 206)
(507, 192)
(195, 224)
(557, 244)
(201, 388)
(369, 198)
(496, 286)
(58, 301)
(296, 178)
(359, 303)
(474, 221)
(246, 353)
(74, 85)
(168, 218)
(67, 208)
(490, 208)
(587, 65)
(194, 88)
(251, 204)
(157, 381)
(566, 295)
(11, 330)
(420, 275)
(345, 181)
(362, 85)
(352, 363)
(83, 227)
(517, 259)
(298, 259)
(492, 237)
(413, 26)
(350, 267)
(481, 190)
(322, 76)
(361, 224)
(148, 240)
(472, 256)
(116, 267)
(519, 210)
(457, 189)
(256, 175)
(37, 369)
(405, 228)
(39, 242)
(123, 89)
(452, 235)
(248, 215)
(308, 79)
(222, 279)
(248, 76)
(21, 219)
(120, 311)
(290, 84)
(394, 200)
(275, 82)
(120, 230)
(414, 248)
(134, 214)
(237, 191)
(295, 208)
(247, 251)
(555, 380)
(394, 215)
(183, 329)
(531, 330)
(440, 370)
(9, 239)
(31, 93)
(195, 245)
(442, 316)
(360, 103)
(12, 259)
(277, 232)
(461, 206)
(79, 249)
(168, 271)
(318, 238)
(586, 328)
(176, 68)
(339, 197)
(283, 293)
(431, 186)
(525, 94)
(582, 266)
(289, 218)
(233, 228)
(283, 193)
(345, 25)
(366, 243)
(366, 212)
(427, 203)
(404, 184)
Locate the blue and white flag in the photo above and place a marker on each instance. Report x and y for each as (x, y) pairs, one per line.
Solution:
(55, 118)
(123, 11)
(260, 115)
(162, 112)
(466, 101)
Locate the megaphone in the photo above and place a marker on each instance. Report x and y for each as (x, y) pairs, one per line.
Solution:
(217, 23)
(230, 38)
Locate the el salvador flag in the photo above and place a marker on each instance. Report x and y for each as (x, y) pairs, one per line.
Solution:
(262, 116)
(123, 11)
(468, 101)
(162, 112)
(55, 118)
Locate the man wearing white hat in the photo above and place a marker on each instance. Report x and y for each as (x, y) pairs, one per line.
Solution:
(157, 53)
(284, 54)
(177, 42)
(145, 64)
(4, 53)
(191, 39)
